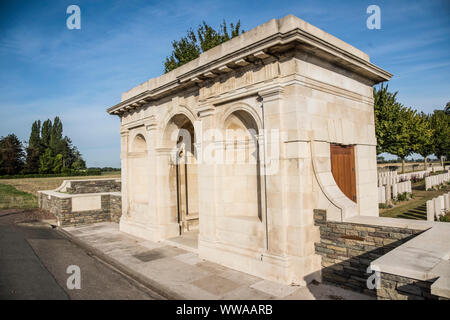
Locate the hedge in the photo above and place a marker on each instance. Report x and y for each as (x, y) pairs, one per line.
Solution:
(88, 172)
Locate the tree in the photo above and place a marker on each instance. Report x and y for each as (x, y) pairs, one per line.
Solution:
(404, 144)
(11, 155)
(46, 133)
(386, 109)
(56, 136)
(193, 44)
(421, 136)
(392, 127)
(34, 148)
(440, 122)
(57, 163)
(46, 161)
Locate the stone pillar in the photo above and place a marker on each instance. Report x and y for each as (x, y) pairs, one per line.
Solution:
(124, 133)
(152, 135)
(166, 219)
(276, 180)
(206, 178)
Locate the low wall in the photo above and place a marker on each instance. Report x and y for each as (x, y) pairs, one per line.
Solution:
(73, 205)
(394, 287)
(348, 249)
(90, 186)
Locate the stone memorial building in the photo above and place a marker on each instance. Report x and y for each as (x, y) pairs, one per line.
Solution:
(241, 144)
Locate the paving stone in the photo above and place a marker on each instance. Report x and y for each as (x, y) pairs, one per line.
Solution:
(274, 289)
(216, 284)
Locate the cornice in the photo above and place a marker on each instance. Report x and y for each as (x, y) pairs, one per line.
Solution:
(214, 63)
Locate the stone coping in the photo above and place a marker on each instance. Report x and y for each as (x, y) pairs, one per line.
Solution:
(97, 179)
(253, 44)
(76, 195)
(425, 257)
(393, 222)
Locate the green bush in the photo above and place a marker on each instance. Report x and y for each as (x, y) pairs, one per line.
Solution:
(402, 196)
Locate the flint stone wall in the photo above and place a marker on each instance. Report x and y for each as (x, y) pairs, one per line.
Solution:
(347, 249)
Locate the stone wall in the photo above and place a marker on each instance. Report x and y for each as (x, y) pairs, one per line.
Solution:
(347, 249)
(115, 207)
(92, 186)
(394, 287)
(79, 209)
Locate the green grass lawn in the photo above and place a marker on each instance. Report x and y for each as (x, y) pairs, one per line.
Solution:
(11, 198)
(420, 197)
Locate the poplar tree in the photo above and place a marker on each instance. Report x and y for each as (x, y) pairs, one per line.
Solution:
(34, 148)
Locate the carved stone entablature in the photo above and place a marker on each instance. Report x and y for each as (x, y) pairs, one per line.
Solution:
(268, 40)
(205, 111)
(270, 94)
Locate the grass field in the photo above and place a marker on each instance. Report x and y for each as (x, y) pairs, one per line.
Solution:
(11, 198)
(22, 193)
(32, 185)
(420, 197)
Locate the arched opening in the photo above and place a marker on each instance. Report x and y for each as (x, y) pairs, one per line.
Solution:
(242, 166)
(139, 180)
(179, 136)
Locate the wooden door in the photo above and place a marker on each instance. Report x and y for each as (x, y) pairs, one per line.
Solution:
(343, 169)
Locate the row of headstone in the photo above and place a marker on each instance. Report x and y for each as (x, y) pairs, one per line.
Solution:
(391, 177)
(438, 168)
(438, 206)
(417, 175)
(432, 181)
(388, 192)
(447, 168)
(387, 177)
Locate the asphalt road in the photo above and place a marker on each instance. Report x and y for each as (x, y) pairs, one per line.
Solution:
(33, 265)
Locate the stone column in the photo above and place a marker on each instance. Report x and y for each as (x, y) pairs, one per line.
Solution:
(206, 177)
(276, 178)
(152, 135)
(166, 218)
(124, 133)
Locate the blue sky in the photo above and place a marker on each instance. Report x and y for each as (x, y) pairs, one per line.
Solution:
(48, 70)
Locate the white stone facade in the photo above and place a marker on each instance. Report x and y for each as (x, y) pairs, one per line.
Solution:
(289, 90)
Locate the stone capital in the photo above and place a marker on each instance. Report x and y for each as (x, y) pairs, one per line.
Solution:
(205, 111)
(271, 94)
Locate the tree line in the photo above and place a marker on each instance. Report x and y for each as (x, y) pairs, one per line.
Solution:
(47, 151)
(402, 131)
